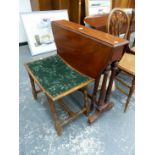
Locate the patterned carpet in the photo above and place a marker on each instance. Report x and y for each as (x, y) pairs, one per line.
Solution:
(111, 134)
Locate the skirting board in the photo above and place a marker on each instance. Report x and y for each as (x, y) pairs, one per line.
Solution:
(23, 43)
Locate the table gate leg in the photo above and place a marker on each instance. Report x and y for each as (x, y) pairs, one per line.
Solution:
(93, 100)
(114, 69)
(101, 105)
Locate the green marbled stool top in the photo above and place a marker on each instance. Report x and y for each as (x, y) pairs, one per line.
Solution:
(56, 77)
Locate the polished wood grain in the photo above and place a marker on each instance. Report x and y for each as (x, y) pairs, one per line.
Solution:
(86, 50)
(118, 23)
(75, 10)
(132, 23)
(92, 53)
(99, 22)
(116, 20)
(95, 35)
(113, 73)
(123, 3)
(70, 35)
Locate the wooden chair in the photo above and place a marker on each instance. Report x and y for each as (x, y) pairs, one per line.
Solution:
(57, 79)
(127, 65)
(118, 24)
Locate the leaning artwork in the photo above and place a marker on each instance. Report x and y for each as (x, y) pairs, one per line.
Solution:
(37, 26)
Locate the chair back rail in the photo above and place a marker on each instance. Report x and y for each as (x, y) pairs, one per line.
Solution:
(118, 23)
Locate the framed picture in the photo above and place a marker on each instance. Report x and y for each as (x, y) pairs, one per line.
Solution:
(94, 7)
(38, 29)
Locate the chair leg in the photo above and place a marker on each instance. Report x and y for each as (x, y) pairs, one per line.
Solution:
(34, 91)
(57, 123)
(132, 88)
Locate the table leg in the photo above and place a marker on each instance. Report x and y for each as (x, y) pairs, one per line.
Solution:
(93, 100)
(102, 105)
(114, 69)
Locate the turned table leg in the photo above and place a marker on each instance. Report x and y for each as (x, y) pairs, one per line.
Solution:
(93, 100)
(101, 102)
(102, 106)
(113, 73)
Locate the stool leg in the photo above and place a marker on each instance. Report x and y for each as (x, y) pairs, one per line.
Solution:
(34, 92)
(86, 104)
(57, 123)
(132, 88)
(66, 108)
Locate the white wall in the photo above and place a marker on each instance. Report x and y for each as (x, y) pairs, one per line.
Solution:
(24, 6)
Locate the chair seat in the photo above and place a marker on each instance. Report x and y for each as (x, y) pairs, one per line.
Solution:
(56, 77)
(127, 63)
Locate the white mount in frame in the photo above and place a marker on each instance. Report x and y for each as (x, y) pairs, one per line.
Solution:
(38, 29)
(94, 7)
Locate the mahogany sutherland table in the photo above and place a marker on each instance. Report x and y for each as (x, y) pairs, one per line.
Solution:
(92, 53)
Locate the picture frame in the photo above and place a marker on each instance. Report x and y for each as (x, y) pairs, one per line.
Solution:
(94, 7)
(37, 25)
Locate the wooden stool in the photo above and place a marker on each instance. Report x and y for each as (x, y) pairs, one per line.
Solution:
(56, 79)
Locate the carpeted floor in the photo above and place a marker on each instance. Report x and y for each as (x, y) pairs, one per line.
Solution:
(112, 134)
